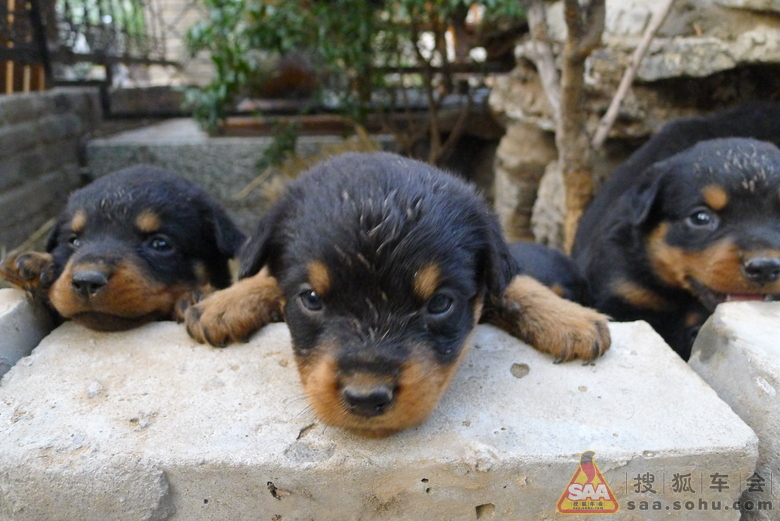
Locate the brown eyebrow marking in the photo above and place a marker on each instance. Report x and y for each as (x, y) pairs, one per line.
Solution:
(715, 197)
(426, 281)
(79, 220)
(319, 277)
(148, 221)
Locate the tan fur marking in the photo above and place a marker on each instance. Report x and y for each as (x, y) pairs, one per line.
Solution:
(426, 281)
(532, 312)
(639, 296)
(319, 277)
(717, 267)
(715, 197)
(79, 220)
(128, 300)
(232, 314)
(148, 222)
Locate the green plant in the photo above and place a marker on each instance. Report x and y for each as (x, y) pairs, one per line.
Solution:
(370, 55)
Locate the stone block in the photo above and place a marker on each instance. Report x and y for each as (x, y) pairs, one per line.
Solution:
(22, 326)
(147, 424)
(738, 353)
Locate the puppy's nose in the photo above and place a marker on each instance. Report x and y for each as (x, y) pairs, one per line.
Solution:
(368, 402)
(88, 282)
(762, 270)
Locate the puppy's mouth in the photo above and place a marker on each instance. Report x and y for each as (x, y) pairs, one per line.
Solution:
(711, 298)
(108, 322)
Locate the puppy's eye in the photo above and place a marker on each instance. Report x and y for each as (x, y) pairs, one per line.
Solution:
(702, 218)
(160, 243)
(74, 241)
(310, 300)
(439, 304)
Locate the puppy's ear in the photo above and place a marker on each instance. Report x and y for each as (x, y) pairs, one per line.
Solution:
(498, 265)
(643, 197)
(257, 250)
(226, 234)
(54, 237)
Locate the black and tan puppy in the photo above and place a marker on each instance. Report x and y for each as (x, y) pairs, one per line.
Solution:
(127, 249)
(383, 266)
(668, 242)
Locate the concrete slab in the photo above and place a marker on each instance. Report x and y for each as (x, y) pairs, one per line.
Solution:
(22, 325)
(148, 425)
(738, 353)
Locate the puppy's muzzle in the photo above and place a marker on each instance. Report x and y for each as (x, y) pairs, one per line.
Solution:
(87, 282)
(761, 270)
(368, 400)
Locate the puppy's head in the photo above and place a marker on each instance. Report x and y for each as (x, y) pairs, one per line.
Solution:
(709, 217)
(385, 264)
(130, 244)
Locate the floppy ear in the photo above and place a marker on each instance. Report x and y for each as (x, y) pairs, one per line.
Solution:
(498, 265)
(226, 234)
(642, 198)
(257, 250)
(53, 239)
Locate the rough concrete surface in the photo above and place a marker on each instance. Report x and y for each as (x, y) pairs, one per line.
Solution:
(738, 353)
(147, 424)
(22, 325)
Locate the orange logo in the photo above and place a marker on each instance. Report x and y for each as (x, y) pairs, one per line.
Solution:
(587, 491)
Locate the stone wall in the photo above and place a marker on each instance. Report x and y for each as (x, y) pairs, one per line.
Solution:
(42, 142)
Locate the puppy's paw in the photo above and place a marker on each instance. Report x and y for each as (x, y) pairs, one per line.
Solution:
(188, 300)
(29, 270)
(551, 324)
(231, 315)
(573, 331)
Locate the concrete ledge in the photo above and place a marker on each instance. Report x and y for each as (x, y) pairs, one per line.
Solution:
(738, 353)
(149, 425)
(22, 326)
(222, 166)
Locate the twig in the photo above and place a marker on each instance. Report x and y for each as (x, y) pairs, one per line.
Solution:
(628, 77)
(543, 55)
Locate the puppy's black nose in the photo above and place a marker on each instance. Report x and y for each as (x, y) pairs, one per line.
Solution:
(88, 282)
(762, 270)
(369, 402)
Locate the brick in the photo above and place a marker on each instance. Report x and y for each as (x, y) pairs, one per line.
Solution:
(146, 424)
(17, 138)
(59, 127)
(23, 324)
(738, 354)
(17, 108)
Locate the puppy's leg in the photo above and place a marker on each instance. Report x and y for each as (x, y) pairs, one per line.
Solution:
(233, 314)
(533, 313)
(31, 271)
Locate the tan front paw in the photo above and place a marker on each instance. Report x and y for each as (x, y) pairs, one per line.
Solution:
(231, 315)
(29, 270)
(535, 314)
(571, 331)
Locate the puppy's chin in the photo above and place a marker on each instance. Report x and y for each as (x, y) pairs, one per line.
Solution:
(107, 322)
(419, 387)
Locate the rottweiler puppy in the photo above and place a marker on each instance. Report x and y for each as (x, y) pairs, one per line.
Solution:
(553, 268)
(382, 266)
(128, 249)
(670, 238)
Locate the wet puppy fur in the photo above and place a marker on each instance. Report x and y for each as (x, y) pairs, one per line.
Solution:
(687, 223)
(129, 248)
(382, 266)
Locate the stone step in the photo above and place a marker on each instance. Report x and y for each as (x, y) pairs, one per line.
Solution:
(147, 424)
(738, 353)
(22, 325)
